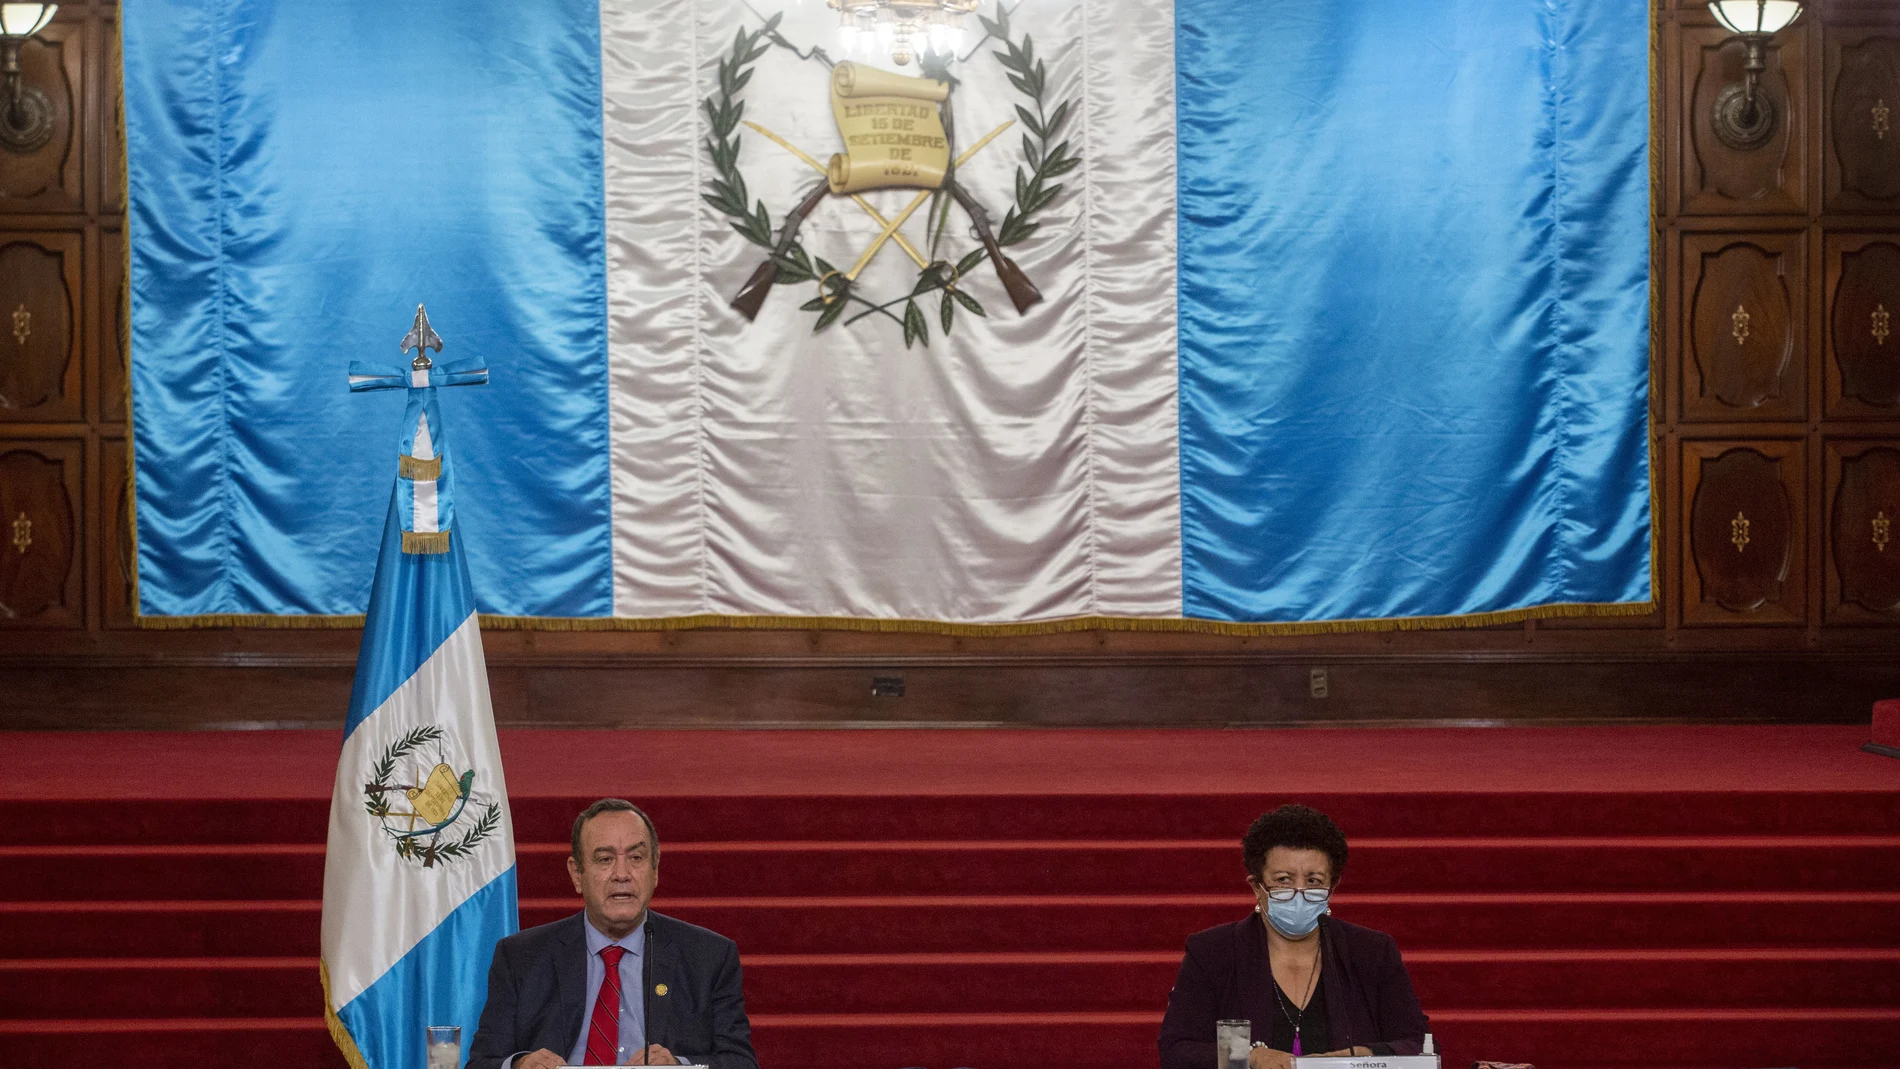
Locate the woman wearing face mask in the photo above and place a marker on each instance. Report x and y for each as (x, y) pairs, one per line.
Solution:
(1309, 982)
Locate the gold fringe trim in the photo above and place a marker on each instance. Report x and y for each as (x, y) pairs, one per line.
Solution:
(425, 542)
(249, 619)
(1657, 307)
(939, 627)
(409, 467)
(125, 347)
(1052, 627)
(339, 1034)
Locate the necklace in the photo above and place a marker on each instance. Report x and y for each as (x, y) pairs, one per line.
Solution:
(1280, 999)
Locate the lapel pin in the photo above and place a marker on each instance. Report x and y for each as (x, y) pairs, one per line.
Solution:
(660, 990)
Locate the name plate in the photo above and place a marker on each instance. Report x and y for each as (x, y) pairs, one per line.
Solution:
(1376, 1061)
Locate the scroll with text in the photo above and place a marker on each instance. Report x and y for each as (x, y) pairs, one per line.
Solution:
(893, 133)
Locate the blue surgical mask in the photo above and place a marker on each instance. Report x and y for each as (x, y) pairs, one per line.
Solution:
(1298, 915)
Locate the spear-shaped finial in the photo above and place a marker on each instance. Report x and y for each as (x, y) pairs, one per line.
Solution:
(421, 338)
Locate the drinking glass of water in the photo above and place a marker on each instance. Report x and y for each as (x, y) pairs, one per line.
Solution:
(1233, 1040)
(445, 1046)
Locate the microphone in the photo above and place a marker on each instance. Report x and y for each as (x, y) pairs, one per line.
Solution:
(646, 989)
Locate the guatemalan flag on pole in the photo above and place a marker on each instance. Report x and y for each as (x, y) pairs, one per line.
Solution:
(419, 879)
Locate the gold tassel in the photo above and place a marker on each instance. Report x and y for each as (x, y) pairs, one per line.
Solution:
(339, 1034)
(409, 467)
(425, 542)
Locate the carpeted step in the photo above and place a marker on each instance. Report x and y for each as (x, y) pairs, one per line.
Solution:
(1002, 816)
(783, 869)
(1131, 982)
(1810, 1038)
(913, 925)
(1010, 982)
(1162, 922)
(1556, 1038)
(175, 1043)
(1562, 920)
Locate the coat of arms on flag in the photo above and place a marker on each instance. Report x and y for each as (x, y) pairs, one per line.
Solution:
(896, 132)
(416, 815)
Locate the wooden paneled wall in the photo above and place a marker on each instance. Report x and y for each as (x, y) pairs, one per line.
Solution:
(1776, 407)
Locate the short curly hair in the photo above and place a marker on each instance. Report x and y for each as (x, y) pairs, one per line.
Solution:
(1297, 826)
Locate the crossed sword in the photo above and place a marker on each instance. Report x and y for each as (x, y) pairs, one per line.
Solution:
(890, 226)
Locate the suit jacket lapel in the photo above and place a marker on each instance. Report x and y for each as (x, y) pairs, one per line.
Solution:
(664, 969)
(1253, 977)
(570, 983)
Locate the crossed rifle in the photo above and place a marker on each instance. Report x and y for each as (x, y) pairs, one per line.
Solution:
(1022, 292)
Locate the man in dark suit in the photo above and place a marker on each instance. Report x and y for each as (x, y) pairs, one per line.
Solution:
(616, 983)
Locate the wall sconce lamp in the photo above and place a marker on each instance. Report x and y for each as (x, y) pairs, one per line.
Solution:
(1744, 116)
(26, 116)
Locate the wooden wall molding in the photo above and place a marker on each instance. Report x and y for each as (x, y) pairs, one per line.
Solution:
(1863, 556)
(1746, 351)
(40, 284)
(1863, 157)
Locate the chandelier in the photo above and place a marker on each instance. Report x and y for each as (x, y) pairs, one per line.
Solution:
(897, 26)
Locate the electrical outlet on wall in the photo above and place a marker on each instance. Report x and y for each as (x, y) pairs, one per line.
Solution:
(1316, 682)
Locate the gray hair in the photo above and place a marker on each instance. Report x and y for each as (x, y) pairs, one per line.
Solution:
(613, 805)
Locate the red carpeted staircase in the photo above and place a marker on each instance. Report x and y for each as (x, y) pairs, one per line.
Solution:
(1695, 929)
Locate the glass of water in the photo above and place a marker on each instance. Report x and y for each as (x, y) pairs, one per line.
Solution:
(445, 1046)
(1233, 1041)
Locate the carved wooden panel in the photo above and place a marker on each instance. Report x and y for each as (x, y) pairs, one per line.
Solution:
(39, 327)
(1863, 581)
(114, 327)
(1743, 342)
(40, 549)
(112, 136)
(49, 178)
(115, 534)
(1742, 506)
(1863, 141)
(1863, 309)
(1716, 179)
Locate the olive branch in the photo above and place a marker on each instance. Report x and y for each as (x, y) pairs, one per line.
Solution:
(723, 113)
(1028, 75)
(484, 826)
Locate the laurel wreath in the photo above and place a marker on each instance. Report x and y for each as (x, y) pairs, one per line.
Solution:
(485, 826)
(1035, 189)
(432, 849)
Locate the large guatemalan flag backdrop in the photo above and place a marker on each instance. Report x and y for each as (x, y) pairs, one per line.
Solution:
(1344, 309)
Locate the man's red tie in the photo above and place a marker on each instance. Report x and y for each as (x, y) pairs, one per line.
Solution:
(603, 1030)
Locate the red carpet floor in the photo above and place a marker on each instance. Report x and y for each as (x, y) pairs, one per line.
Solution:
(1649, 898)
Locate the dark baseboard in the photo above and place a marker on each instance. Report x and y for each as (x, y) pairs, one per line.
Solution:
(1145, 692)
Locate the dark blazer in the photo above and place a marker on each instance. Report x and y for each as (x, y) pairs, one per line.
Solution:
(1225, 976)
(538, 983)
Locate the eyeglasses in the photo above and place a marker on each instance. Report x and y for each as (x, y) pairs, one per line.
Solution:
(1311, 894)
